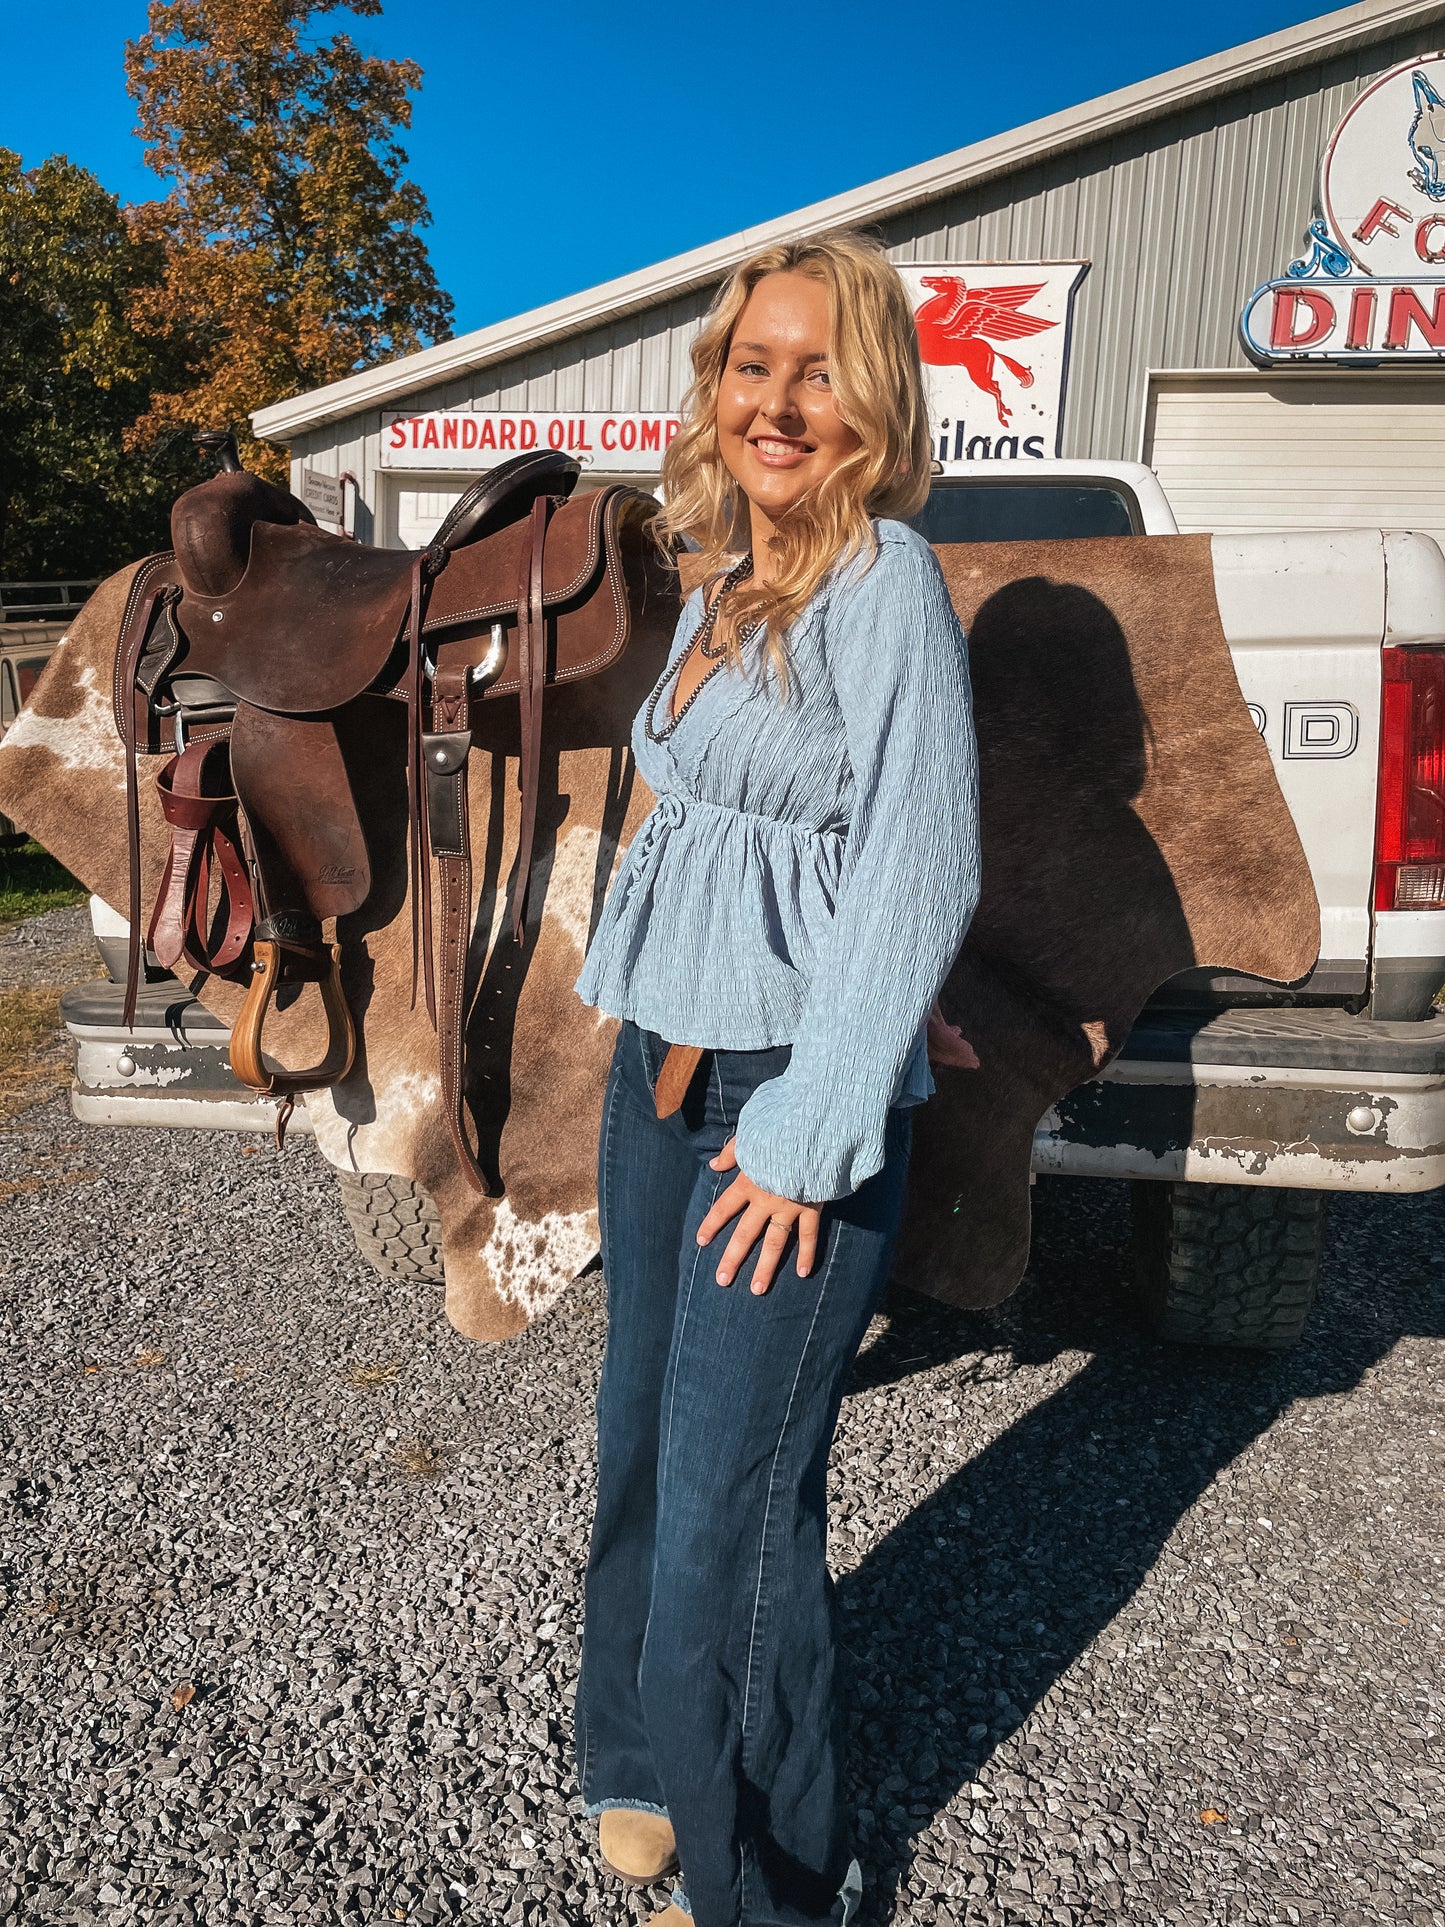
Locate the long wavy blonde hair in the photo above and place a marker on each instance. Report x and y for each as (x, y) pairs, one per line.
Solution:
(877, 382)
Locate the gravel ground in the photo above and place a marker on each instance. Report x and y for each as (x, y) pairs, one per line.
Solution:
(289, 1577)
(50, 951)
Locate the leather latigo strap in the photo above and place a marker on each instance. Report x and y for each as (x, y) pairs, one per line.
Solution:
(153, 595)
(425, 570)
(446, 751)
(532, 670)
(202, 814)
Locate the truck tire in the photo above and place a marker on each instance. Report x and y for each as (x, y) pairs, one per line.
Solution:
(394, 1223)
(1227, 1264)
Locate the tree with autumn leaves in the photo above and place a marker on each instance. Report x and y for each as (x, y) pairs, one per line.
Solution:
(287, 253)
(292, 247)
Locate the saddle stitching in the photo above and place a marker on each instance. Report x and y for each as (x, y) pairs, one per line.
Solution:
(596, 546)
(138, 584)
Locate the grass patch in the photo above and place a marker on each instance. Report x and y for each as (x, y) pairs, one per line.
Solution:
(28, 1022)
(31, 881)
(41, 1181)
(32, 1064)
(420, 1458)
(366, 1378)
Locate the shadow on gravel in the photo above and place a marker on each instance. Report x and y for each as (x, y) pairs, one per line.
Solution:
(970, 1610)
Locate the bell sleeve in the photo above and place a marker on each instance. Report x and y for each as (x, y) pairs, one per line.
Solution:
(909, 882)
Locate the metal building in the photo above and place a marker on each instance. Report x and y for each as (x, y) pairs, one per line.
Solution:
(1183, 194)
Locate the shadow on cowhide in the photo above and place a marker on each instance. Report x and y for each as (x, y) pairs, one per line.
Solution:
(1132, 827)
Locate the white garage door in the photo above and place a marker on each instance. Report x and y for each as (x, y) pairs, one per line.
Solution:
(420, 512)
(1254, 451)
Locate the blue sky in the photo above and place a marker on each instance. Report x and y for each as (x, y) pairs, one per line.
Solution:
(560, 145)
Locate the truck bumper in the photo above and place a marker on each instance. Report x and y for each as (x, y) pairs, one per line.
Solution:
(1311, 1099)
(173, 1069)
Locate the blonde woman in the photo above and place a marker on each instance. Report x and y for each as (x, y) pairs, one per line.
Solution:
(789, 911)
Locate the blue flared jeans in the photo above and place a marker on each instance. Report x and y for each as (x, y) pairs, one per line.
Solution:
(707, 1686)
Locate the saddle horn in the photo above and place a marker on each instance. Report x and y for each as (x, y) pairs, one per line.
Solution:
(221, 442)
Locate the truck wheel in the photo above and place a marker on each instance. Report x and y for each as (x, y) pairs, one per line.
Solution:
(395, 1225)
(1227, 1264)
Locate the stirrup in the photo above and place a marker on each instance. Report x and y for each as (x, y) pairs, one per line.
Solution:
(246, 1059)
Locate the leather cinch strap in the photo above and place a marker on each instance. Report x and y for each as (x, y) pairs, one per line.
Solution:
(447, 748)
(443, 752)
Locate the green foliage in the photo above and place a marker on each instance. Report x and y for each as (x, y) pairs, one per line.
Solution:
(74, 374)
(32, 881)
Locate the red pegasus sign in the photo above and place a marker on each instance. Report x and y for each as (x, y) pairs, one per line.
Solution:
(954, 329)
(988, 401)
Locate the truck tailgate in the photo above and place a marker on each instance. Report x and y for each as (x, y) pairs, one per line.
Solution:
(1304, 614)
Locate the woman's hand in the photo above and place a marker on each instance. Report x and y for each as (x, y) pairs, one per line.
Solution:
(947, 1043)
(764, 1216)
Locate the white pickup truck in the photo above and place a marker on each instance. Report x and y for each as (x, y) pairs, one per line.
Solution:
(1236, 1106)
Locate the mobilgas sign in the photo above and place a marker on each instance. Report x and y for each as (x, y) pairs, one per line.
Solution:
(994, 337)
(1371, 287)
(463, 439)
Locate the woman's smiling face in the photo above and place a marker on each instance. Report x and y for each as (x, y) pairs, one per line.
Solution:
(779, 430)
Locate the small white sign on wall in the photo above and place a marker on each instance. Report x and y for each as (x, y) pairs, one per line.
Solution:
(463, 439)
(323, 495)
(994, 336)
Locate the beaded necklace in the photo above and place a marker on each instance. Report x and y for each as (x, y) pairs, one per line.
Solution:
(705, 645)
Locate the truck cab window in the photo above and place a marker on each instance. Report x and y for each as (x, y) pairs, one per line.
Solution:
(1022, 512)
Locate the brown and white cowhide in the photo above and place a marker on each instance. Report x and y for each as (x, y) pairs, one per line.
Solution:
(1132, 827)
(537, 1057)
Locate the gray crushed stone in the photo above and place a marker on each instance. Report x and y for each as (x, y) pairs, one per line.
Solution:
(53, 950)
(290, 1601)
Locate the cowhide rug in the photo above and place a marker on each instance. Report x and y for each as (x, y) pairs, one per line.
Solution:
(1132, 828)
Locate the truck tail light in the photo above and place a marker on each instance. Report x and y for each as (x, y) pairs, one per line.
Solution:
(1410, 825)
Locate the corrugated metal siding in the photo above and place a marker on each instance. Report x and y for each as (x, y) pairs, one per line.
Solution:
(1181, 220)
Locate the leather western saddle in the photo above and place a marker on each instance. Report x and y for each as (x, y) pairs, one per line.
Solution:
(247, 643)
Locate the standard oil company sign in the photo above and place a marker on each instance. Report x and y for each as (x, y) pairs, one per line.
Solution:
(464, 439)
(1371, 286)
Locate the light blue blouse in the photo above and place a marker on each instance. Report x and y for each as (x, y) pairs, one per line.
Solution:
(809, 869)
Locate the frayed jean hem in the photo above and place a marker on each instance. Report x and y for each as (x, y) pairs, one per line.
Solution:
(594, 1807)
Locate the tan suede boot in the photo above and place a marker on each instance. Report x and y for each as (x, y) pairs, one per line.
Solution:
(638, 1847)
(672, 1917)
